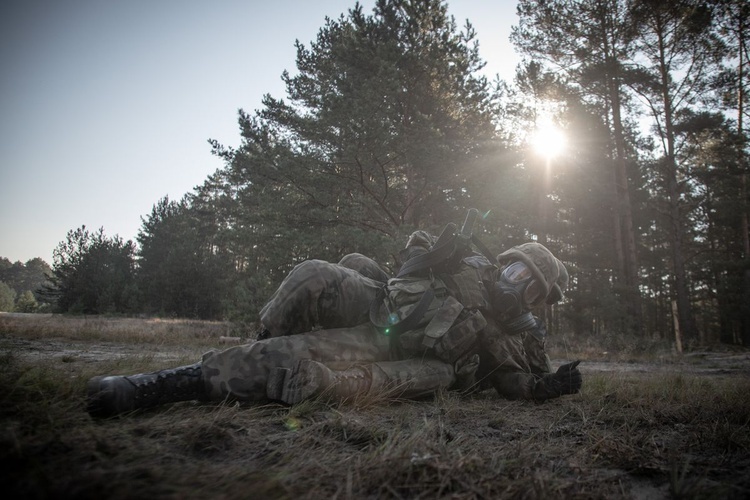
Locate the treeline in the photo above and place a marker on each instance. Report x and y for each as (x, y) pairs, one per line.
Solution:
(21, 285)
(388, 126)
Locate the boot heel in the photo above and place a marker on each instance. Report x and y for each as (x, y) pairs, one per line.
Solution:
(109, 396)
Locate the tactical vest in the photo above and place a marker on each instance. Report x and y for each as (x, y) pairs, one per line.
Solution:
(440, 314)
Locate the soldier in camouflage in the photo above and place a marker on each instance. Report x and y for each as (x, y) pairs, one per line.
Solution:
(344, 330)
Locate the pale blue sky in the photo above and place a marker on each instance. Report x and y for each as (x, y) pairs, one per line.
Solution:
(106, 106)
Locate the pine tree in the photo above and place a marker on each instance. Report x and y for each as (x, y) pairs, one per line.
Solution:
(93, 274)
(7, 297)
(181, 272)
(678, 42)
(381, 123)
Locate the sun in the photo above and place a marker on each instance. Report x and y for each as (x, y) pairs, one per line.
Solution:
(548, 140)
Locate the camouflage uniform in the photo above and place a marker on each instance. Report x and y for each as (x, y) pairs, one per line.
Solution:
(321, 312)
(516, 364)
(320, 335)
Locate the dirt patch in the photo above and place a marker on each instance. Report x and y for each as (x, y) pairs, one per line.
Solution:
(700, 363)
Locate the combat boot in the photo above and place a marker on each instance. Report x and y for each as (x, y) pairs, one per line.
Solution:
(112, 395)
(407, 378)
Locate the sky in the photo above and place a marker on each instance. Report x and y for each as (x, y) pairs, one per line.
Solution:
(107, 106)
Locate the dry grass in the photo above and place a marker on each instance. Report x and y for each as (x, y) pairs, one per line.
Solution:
(124, 330)
(632, 435)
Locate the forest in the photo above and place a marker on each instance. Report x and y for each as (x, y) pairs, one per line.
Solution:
(388, 125)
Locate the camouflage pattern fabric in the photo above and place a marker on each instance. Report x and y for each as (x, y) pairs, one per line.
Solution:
(512, 364)
(533, 345)
(336, 299)
(241, 372)
(318, 294)
(364, 266)
(523, 352)
(421, 239)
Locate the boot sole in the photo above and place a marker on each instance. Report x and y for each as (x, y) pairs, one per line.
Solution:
(99, 402)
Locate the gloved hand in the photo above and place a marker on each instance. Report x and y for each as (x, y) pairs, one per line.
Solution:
(566, 380)
(569, 377)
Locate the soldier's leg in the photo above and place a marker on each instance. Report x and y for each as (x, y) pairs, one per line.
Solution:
(239, 372)
(319, 294)
(408, 378)
(242, 372)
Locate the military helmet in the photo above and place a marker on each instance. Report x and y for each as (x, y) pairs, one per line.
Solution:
(545, 267)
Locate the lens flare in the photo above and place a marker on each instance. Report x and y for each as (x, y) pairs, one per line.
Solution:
(548, 140)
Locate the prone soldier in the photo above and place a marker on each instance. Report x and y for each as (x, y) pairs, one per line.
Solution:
(451, 319)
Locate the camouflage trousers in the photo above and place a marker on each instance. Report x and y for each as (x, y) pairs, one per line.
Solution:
(242, 371)
(318, 294)
(319, 312)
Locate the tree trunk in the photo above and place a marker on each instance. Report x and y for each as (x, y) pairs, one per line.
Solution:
(744, 228)
(684, 310)
(624, 210)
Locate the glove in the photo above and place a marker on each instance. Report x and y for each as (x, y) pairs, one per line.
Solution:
(569, 377)
(566, 380)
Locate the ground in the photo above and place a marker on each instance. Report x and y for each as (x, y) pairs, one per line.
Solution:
(658, 427)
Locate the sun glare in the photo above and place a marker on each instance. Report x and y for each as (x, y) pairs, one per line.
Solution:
(548, 140)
